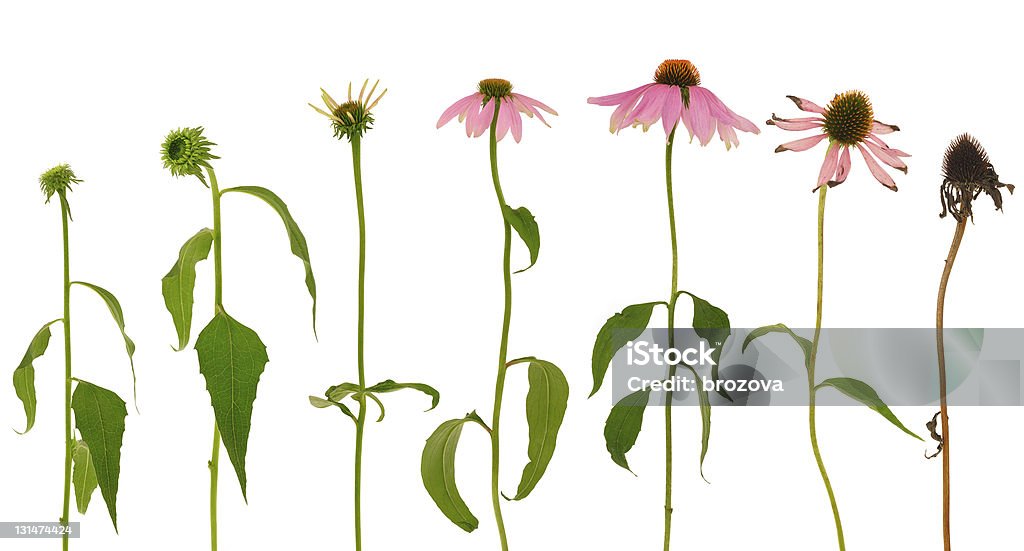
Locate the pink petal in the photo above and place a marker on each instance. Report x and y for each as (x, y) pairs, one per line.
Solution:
(844, 167)
(626, 105)
(470, 115)
(828, 168)
(882, 128)
(802, 144)
(648, 111)
(505, 114)
(803, 123)
(534, 103)
(728, 135)
(885, 157)
(700, 115)
(483, 119)
(671, 109)
(876, 170)
(894, 152)
(618, 99)
(517, 125)
(721, 112)
(459, 107)
(806, 105)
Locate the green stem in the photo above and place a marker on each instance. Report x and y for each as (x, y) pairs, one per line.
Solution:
(218, 300)
(499, 387)
(671, 336)
(361, 420)
(810, 370)
(68, 435)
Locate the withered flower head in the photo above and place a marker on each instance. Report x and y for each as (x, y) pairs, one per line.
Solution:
(966, 174)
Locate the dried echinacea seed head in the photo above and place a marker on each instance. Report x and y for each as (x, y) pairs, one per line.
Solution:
(966, 174)
(186, 152)
(57, 180)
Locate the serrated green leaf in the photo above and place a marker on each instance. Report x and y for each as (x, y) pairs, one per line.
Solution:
(711, 323)
(863, 393)
(804, 344)
(115, 311)
(616, 332)
(391, 386)
(232, 358)
(545, 408)
(526, 226)
(179, 283)
(437, 469)
(99, 416)
(25, 374)
(83, 476)
(296, 239)
(623, 425)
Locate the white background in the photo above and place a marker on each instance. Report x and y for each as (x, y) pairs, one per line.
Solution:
(99, 86)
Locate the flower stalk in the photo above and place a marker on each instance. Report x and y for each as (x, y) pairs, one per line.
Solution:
(218, 306)
(69, 441)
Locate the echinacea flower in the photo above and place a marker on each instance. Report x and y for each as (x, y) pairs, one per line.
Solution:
(848, 121)
(57, 180)
(676, 95)
(966, 174)
(477, 110)
(352, 117)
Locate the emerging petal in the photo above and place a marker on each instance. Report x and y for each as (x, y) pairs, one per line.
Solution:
(802, 144)
(876, 170)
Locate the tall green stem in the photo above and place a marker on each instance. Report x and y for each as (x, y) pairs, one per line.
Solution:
(958, 236)
(671, 336)
(68, 435)
(218, 300)
(499, 387)
(361, 419)
(810, 370)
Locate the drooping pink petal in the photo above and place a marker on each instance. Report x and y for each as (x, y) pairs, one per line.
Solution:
(671, 109)
(892, 151)
(458, 108)
(535, 107)
(728, 135)
(802, 123)
(843, 170)
(882, 128)
(807, 105)
(625, 106)
(517, 124)
(648, 111)
(884, 156)
(471, 114)
(620, 98)
(505, 113)
(483, 119)
(700, 115)
(803, 144)
(722, 112)
(876, 170)
(829, 166)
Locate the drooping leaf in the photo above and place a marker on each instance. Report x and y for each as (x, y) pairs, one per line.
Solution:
(616, 332)
(25, 374)
(99, 416)
(545, 408)
(526, 226)
(805, 345)
(437, 469)
(705, 422)
(115, 311)
(179, 283)
(232, 358)
(711, 323)
(391, 386)
(341, 391)
(296, 239)
(863, 393)
(623, 425)
(83, 476)
(318, 402)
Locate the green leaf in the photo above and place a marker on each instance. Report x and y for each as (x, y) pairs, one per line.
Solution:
(545, 408)
(99, 416)
(863, 393)
(616, 332)
(341, 391)
(115, 311)
(295, 237)
(318, 402)
(25, 374)
(179, 283)
(232, 358)
(804, 344)
(711, 323)
(623, 425)
(391, 386)
(84, 475)
(437, 469)
(526, 226)
(705, 422)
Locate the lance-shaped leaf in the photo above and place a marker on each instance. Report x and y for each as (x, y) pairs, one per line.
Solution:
(232, 358)
(705, 421)
(437, 469)
(391, 386)
(83, 476)
(805, 345)
(99, 416)
(296, 240)
(863, 393)
(545, 408)
(179, 284)
(115, 311)
(623, 425)
(25, 374)
(616, 332)
(711, 323)
(526, 226)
